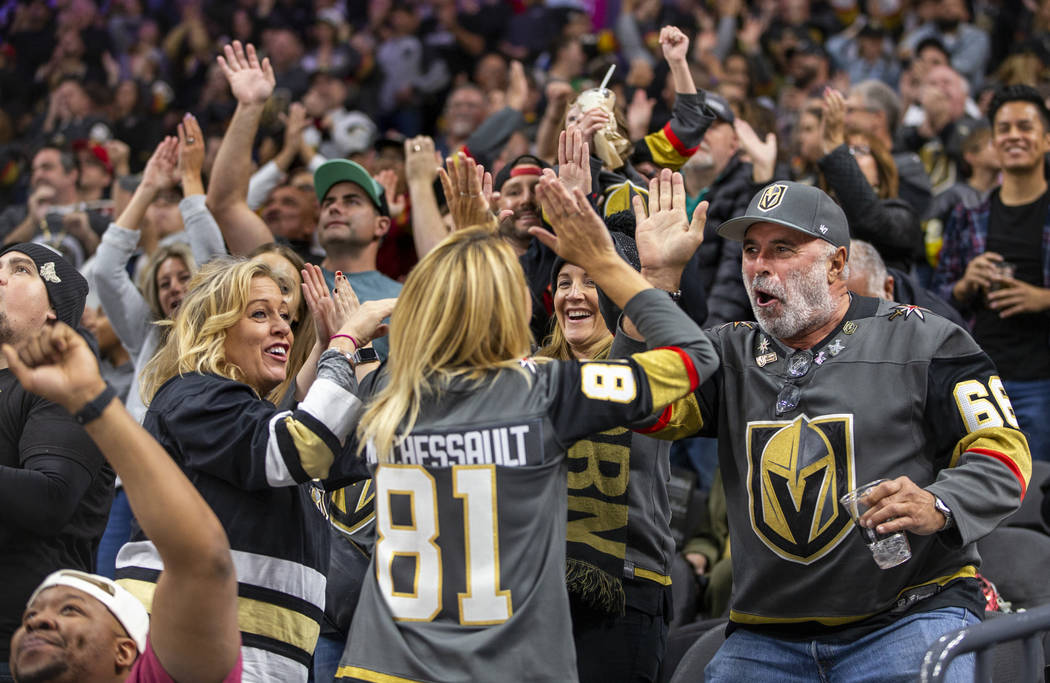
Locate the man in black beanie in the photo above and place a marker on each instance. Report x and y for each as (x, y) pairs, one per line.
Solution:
(55, 486)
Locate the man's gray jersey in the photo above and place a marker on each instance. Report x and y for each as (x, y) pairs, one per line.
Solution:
(893, 391)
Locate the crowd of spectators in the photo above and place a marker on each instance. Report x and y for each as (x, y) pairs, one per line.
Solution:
(143, 139)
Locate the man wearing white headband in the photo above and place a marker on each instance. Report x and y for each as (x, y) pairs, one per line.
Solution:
(82, 628)
(69, 620)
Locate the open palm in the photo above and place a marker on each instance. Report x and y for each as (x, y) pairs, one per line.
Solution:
(666, 237)
(250, 81)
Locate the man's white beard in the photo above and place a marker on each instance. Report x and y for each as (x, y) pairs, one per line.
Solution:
(805, 302)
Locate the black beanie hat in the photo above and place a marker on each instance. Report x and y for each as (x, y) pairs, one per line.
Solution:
(66, 287)
(621, 229)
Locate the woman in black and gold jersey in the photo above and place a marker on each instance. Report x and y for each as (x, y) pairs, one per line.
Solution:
(229, 347)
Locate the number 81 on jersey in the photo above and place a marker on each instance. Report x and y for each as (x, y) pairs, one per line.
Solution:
(475, 485)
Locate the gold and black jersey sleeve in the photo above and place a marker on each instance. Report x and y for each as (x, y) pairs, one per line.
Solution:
(672, 145)
(592, 396)
(983, 457)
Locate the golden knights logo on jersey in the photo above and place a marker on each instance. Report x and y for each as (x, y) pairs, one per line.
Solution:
(797, 469)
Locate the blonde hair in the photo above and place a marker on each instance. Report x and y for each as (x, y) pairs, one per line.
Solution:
(461, 314)
(556, 346)
(303, 326)
(218, 296)
(148, 277)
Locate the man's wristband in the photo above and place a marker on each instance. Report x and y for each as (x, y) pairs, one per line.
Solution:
(93, 408)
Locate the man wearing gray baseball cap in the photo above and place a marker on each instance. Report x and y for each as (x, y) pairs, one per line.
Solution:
(804, 307)
(826, 392)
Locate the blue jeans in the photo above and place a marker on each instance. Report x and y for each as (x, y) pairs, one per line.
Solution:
(1031, 402)
(326, 659)
(893, 653)
(117, 533)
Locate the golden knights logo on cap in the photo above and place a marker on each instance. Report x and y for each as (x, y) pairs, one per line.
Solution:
(772, 196)
(47, 272)
(796, 471)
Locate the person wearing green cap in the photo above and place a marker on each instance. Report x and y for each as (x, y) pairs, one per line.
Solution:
(354, 217)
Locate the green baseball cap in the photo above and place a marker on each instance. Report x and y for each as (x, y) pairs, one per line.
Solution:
(345, 171)
(794, 205)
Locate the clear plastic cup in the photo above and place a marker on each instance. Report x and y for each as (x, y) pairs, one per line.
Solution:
(888, 550)
(1004, 270)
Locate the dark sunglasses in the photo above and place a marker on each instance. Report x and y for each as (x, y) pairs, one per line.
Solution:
(790, 394)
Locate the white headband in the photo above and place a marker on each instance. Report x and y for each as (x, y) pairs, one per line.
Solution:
(123, 605)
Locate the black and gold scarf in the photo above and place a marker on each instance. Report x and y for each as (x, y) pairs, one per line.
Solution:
(599, 473)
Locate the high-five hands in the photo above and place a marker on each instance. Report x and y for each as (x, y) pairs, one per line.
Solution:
(582, 237)
(666, 238)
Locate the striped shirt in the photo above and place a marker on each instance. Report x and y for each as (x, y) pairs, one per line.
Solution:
(253, 464)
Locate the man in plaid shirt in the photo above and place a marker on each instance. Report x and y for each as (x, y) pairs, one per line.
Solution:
(995, 263)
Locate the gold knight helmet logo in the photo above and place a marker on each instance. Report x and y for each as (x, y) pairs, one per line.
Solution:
(797, 469)
(771, 197)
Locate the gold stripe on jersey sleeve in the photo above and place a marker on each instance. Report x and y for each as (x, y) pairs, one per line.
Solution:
(370, 676)
(314, 455)
(659, 578)
(667, 379)
(664, 152)
(681, 419)
(1007, 445)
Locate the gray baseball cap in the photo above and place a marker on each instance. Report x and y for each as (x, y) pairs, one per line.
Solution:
(719, 106)
(801, 207)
